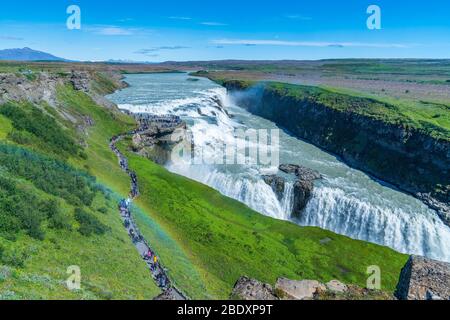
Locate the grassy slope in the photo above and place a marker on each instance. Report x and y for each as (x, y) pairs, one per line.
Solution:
(421, 114)
(110, 265)
(225, 239)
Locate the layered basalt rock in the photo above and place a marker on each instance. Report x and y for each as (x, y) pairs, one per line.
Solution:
(303, 185)
(157, 135)
(277, 183)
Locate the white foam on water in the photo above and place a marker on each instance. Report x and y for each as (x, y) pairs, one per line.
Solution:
(335, 210)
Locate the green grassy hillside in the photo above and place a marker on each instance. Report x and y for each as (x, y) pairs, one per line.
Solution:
(58, 205)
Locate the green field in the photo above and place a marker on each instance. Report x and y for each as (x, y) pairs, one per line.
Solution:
(428, 117)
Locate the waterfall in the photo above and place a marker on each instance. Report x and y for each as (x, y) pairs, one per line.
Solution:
(333, 209)
(255, 193)
(287, 203)
(346, 201)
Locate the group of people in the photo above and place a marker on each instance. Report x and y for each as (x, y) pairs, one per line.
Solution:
(158, 273)
(149, 256)
(122, 160)
(134, 185)
(124, 166)
(148, 121)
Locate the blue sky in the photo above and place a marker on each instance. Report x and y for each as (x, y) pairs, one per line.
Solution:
(149, 30)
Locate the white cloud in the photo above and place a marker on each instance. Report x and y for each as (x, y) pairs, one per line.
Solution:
(306, 43)
(114, 31)
(126, 20)
(11, 38)
(298, 17)
(149, 51)
(180, 18)
(214, 24)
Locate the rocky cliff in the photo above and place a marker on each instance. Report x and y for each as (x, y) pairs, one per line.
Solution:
(286, 289)
(401, 155)
(424, 279)
(303, 185)
(157, 135)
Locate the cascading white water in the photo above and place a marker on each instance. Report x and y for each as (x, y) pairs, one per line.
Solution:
(253, 192)
(333, 209)
(287, 203)
(346, 201)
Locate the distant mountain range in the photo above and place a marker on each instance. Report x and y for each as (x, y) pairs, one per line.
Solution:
(27, 54)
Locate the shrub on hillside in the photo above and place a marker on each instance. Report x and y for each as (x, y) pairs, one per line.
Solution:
(19, 210)
(103, 210)
(89, 224)
(51, 176)
(60, 221)
(29, 120)
(13, 256)
(57, 219)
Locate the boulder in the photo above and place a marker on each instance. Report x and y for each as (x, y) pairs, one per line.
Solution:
(298, 290)
(424, 279)
(80, 81)
(170, 294)
(250, 289)
(277, 184)
(336, 286)
(303, 186)
(303, 191)
(289, 168)
(301, 172)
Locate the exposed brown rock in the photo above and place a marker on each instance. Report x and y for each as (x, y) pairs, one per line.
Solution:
(277, 183)
(157, 135)
(301, 172)
(303, 185)
(250, 289)
(303, 191)
(80, 81)
(336, 286)
(170, 294)
(298, 290)
(424, 279)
